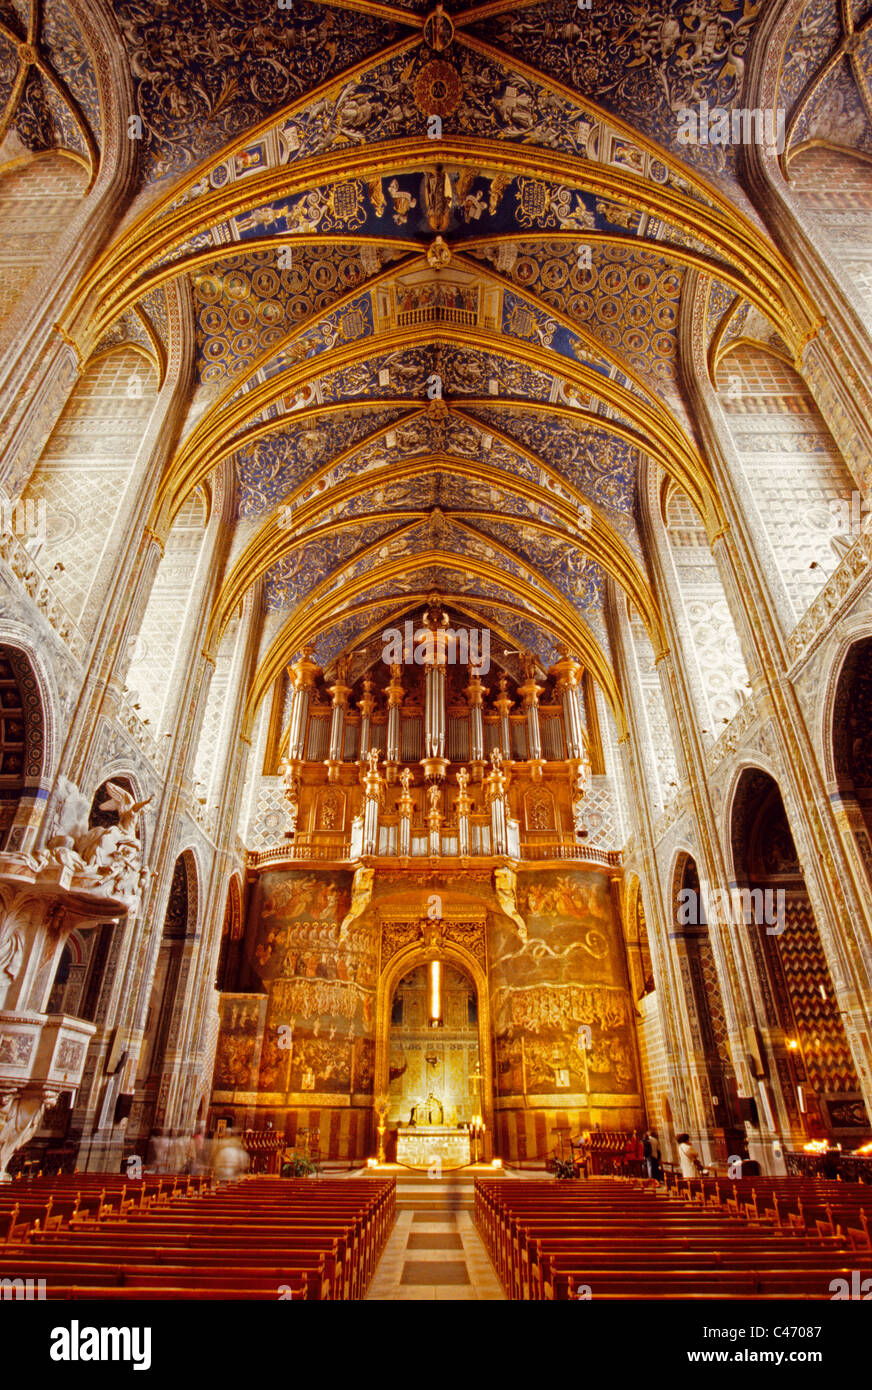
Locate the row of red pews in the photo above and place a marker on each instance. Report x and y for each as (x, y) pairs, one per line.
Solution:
(819, 1205)
(614, 1239)
(261, 1238)
(48, 1203)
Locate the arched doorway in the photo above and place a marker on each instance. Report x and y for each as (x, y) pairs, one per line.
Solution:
(852, 744)
(164, 1023)
(714, 1079)
(434, 1058)
(22, 743)
(639, 963)
(816, 1079)
(403, 995)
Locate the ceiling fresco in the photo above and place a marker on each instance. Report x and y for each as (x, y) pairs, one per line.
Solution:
(440, 261)
(826, 79)
(48, 88)
(246, 304)
(271, 469)
(627, 299)
(206, 70)
(643, 62)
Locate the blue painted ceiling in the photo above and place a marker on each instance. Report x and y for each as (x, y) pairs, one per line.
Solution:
(326, 310)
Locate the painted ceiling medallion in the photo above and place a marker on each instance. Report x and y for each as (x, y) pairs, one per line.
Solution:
(438, 30)
(438, 89)
(438, 254)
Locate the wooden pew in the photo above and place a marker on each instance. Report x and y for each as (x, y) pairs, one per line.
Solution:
(625, 1239)
(261, 1238)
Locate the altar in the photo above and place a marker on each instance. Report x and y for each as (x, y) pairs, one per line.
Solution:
(419, 1145)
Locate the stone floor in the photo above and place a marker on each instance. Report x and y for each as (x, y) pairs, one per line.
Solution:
(434, 1251)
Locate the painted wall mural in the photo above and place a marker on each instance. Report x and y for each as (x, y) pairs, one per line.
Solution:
(561, 1007)
(239, 1042)
(319, 1018)
(301, 1034)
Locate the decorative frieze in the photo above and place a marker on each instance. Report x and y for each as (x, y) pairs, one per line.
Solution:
(842, 588)
(38, 588)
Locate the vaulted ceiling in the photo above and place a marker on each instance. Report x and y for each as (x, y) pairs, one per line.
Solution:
(437, 261)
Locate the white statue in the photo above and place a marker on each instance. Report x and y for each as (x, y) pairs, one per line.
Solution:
(361, 894)
(71, 811)
(504, 883)
(11, 950)
(20, 1114)
(106, 859)
(100, 846)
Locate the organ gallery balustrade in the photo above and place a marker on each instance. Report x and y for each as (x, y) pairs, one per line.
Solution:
(540, 819)
(341, 854)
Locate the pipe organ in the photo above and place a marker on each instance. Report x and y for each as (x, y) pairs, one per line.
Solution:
(431, 755)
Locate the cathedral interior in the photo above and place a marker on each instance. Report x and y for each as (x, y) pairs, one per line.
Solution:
(436, 594)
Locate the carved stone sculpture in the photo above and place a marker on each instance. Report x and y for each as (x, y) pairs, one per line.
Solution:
(20, 1115)
(505, 884)
(292, 785)
(102, 860)
(361, 895)
(11, 950)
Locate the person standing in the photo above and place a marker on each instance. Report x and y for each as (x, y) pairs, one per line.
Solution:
(690, 1164)
(582, 1154)
(651, 1150)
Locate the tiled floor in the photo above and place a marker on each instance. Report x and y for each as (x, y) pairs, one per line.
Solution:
(434, 1251)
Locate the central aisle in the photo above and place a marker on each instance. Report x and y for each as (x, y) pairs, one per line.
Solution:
(434, 1250)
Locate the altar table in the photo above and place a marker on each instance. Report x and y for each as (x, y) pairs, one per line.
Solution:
(419, 1145)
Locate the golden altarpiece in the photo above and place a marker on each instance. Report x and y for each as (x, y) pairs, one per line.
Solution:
(436, 944)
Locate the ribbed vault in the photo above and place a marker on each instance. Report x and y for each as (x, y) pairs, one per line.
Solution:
(436, 263)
